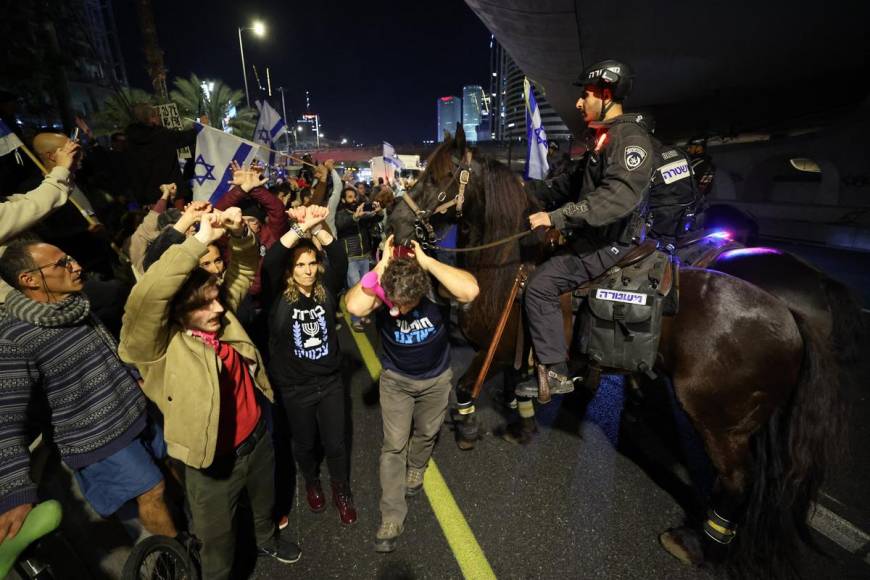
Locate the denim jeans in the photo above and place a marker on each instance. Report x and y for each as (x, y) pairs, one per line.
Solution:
(356, 269)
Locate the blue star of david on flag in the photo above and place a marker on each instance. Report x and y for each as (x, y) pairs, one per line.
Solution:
(536, 158)
(209, 171)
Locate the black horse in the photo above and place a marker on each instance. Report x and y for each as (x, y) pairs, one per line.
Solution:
(754, 374)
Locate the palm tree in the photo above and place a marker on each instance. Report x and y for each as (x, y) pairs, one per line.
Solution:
(216, 103)
(117, 111)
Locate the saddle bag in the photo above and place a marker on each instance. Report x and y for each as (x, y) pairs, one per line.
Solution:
(622, 321)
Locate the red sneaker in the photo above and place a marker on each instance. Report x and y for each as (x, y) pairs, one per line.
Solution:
(343, 500)
(314, 493)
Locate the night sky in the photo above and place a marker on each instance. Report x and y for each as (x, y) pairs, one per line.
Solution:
(374, 69)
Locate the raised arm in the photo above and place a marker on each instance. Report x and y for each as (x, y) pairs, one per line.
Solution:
(20, 212)
(458, 283)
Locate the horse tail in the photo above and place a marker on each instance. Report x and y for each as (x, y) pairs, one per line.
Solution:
(847, 328)
(791, 456)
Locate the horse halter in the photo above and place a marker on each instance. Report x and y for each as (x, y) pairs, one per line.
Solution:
(422, 228)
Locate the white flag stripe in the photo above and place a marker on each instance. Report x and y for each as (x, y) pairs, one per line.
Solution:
(9, 141)
(215, 152)
(536, 158)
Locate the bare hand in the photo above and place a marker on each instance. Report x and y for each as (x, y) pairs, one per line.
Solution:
(248, 178)
(297, 214)
(68, 155)
(320, 172)
(314, 215)
(329, 164)
(12, 520)
(231, 219)
(421, 256)
(210, 228)
(168, 190)
(540, 219)
(386, 256)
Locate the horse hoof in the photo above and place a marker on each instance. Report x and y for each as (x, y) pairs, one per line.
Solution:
(520, 433)
(467, 432)
(684, 545)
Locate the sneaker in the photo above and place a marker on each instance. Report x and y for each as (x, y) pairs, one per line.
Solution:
(282, 550)
(314, 494)
(342, 498)
(414, 481)
(385, 539)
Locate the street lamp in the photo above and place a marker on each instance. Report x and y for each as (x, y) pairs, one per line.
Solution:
(259, 30)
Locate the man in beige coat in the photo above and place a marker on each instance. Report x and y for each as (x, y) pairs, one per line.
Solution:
(203, 372)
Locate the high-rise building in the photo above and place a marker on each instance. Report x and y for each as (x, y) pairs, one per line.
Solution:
(475, 113)
(449, 113)
(508, 101)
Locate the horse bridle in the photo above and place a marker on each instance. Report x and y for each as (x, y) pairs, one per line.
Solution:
(422, 228)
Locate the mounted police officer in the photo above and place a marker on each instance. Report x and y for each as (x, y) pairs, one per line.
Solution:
(597, 208)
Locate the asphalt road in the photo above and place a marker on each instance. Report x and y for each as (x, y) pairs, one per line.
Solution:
(571, 504)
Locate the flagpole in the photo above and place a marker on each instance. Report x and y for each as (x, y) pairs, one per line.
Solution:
(302, 161)
(88, 218)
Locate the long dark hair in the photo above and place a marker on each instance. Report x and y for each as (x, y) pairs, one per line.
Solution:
(291, 290)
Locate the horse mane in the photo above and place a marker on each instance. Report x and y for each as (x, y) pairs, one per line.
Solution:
(505, 210)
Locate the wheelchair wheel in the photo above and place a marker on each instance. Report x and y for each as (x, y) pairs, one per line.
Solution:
(160, 558)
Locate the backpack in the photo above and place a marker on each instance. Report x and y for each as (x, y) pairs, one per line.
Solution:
(673, 200)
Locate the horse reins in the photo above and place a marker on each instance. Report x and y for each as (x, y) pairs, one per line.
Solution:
(462, 174)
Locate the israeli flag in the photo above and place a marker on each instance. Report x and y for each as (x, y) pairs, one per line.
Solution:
(390, 156)
(270, 126)
(9, 141)
(215, 152)
(536, 158)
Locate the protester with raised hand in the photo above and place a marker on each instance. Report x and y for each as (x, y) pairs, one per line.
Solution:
(305, 359)
(206, 376)
(175, 228)
(149, 229)
(20, 212)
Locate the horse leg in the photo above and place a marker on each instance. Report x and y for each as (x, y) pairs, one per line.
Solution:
(522, 430)
(467, 425)
(731, 456)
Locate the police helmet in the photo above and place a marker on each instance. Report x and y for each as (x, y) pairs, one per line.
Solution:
(610, 73)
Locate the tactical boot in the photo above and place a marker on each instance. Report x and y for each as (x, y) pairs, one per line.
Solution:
(342, 498)
(559, 379)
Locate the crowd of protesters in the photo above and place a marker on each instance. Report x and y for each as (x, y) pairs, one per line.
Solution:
(142, 331)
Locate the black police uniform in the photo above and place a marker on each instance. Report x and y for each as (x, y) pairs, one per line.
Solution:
(600, 220)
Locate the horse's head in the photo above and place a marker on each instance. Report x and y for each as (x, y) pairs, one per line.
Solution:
(452, 177)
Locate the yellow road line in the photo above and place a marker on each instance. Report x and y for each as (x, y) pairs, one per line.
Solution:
(467, 551)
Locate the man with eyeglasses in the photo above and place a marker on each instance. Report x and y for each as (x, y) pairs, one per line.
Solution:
(55, 352)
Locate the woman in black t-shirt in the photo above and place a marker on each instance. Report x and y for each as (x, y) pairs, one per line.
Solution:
(301, 292)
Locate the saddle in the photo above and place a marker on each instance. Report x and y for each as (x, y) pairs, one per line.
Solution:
(621, 321)
(700, 249)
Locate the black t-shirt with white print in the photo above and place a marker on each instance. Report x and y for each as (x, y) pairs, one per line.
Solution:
(303, 339)
(415, 344)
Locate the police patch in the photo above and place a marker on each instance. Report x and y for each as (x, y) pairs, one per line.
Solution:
(634, 157)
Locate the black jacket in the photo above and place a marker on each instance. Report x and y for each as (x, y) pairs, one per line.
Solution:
(152, 159)
(593, 203)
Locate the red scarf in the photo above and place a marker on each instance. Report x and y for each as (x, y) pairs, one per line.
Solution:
(239, 412)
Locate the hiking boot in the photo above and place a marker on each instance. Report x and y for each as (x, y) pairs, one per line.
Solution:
(414, 481)
(342, 498)
(385, 539)
(314, 494)
(282, 550)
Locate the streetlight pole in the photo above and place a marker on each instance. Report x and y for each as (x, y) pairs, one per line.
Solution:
(259, 30)
(244, 69)
(286, 120)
